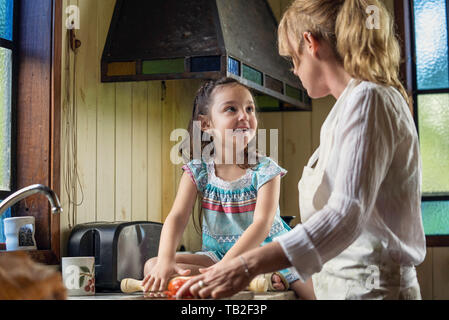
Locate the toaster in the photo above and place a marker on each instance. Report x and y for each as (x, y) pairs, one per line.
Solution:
(120, 249)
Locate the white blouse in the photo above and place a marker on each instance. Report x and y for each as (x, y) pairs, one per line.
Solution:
(374, 177)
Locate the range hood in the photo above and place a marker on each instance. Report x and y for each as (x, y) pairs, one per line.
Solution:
(201, 39)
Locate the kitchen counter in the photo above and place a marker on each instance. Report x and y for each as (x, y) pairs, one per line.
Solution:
(243, 295)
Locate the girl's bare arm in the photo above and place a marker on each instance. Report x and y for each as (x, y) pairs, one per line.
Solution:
(178, 217)
(171, 234)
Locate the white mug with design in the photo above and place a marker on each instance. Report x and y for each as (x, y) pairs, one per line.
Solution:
(78, 275)
(19, 233)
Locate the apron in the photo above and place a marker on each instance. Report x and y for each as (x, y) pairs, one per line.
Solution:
(364, 270)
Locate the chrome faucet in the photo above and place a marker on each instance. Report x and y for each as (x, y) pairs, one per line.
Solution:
(28, 191)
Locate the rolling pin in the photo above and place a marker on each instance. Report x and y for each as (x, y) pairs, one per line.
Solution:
(258, 284)
(129, 285)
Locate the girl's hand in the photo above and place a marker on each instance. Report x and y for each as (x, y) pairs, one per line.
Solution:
(158, 277)
(220, 280)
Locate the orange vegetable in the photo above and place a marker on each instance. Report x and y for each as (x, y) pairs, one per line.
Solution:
(173, 286)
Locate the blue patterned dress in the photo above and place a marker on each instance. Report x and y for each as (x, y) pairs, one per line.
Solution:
(228, 206)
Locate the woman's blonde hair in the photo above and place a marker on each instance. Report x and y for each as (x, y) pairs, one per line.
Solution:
(366, 53)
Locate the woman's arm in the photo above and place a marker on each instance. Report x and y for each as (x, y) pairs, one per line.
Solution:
(230, 277)
(257, 232)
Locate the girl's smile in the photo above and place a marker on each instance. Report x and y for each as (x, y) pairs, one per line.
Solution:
(232, 115)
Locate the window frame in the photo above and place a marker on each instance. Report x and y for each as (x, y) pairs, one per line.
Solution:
(405, 22)
(12, 45)
(417, 91)
(37, 118)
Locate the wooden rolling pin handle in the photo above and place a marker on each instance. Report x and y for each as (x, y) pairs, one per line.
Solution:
(129, 285)
(258, 284)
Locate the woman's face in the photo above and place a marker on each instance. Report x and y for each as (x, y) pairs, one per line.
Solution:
(308, 67)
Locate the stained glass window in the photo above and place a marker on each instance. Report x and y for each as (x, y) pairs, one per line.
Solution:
(431, 51)
(436, 217)
(6, 15)
(431, 96)
(433, 119)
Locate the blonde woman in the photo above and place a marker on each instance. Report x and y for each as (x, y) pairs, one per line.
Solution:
(360, 194)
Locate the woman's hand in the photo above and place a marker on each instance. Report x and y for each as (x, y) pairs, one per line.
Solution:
(220, 280)
(158, 277)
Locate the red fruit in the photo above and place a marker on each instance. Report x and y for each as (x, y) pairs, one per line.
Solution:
(174, 285)
(87, 288)
(90, 282)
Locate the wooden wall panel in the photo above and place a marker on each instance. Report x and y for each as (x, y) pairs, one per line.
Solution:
(425, 276)
(105, 160)
(183, 103)
(271, 121)
(297, 148)
(65, 86)
(154, 204)
(440, 273)
(168, 125)
(87, 75)
(139, 154)
(284, 5)
(276, 8)
(321, 108)
(123, 152)
(105, 125)
(67, 72)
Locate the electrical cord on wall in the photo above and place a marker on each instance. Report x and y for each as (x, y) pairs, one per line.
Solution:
(70, 172)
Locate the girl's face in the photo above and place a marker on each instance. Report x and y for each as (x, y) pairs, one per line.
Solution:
(232, 114)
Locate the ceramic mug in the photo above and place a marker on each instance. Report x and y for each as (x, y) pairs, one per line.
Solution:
(78, 275)
(19, 233)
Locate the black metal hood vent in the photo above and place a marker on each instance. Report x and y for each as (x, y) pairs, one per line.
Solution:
(201, 39)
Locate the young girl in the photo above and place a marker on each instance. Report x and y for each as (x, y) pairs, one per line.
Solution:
(239, 200)
(360, 194)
